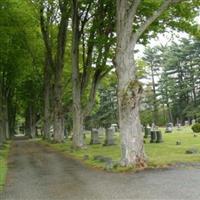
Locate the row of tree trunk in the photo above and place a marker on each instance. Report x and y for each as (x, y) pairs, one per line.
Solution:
(7, 114)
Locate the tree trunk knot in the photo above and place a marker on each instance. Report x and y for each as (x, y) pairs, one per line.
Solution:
(140, 162)
(132, 94)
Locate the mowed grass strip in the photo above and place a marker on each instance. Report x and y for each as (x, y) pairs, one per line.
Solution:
(3, 163)
(159, 155)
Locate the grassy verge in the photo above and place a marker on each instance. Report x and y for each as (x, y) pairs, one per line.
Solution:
(159, 155)
(3, 163)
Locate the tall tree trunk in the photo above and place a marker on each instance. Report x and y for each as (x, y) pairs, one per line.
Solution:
(6, 120)
(2, 133)
(129, 90)
(11, 116)
(58, 115)
(56, 63)
(27, 123)
(170, 117)
(47, 78)
(32, 122)
(78, 141)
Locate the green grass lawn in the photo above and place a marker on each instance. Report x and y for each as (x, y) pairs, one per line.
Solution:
(3, 163)
(159, 155)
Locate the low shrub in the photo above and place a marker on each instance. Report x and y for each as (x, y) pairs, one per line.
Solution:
(196, 128)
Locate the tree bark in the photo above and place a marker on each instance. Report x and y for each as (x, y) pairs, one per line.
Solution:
(11, 115)
(58, 67)
(47, 120)
(129, 91)
(30, 122)
(6, 120)
(2, 133)
(78, 141)
(58, 124)
(56, 64)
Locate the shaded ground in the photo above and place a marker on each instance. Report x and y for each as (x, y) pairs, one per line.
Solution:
(38, 173)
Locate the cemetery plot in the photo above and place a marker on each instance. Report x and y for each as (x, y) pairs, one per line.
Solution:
(175, 148)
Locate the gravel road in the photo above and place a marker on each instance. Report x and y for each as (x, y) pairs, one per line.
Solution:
(39, 173)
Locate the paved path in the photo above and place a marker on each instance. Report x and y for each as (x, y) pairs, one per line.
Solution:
(38, 173)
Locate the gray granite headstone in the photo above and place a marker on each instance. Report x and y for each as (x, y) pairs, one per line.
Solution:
(147, 131)
(94, 136)
(101, 131)
(169, 128)
(109, 136)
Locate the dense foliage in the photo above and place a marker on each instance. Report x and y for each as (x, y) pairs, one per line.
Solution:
(175, 94)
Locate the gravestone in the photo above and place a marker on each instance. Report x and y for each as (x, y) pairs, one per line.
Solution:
(158, 137)
(147, 131)
(153, 137)
(169, 128)
(192, 151)
(101, 131)
(114, 126)
(195, 135)
(178, 126)
(109, 136)
(186, 123)
(193, 121)
(153, 133)
(94, 136)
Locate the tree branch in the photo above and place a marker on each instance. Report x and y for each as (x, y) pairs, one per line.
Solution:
(45, 34)
(62, 34)
(156, 14)
(133, 8)
(84, 21)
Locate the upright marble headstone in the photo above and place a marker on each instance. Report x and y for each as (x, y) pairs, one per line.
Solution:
(101, 131)
(186, 123)
(109, 140)
(193, 121)
(94, 136)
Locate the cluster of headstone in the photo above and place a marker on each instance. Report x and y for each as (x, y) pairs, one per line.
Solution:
(109, 136)
(154, 133)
